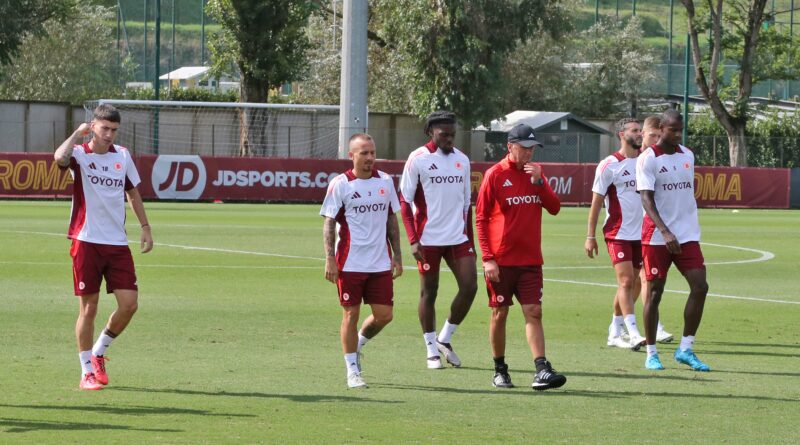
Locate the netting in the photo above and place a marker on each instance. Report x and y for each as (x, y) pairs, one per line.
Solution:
(226, 129)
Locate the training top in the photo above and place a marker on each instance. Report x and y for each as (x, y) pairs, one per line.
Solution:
(435, 196)
(671, 178)
(615, 178)
(508, 215)
(361, 208)
(98, 194)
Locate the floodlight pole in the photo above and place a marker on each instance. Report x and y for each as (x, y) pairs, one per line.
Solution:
(353, 96)
(156, 86)
(669, 49)
(686, 89)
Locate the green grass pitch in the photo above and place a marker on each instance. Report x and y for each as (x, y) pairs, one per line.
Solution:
(236, 341)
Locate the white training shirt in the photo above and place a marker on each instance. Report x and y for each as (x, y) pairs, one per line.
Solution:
(615, 178)
(671, 177)
(98, 194)
(437, 185)
(361, 208)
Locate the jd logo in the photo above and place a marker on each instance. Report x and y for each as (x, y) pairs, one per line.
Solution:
(179, 177)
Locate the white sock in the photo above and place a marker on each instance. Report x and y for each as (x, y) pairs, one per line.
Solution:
(617, 321)
(103, 342)
(651, 350)
(447, 331)
(86, 362)
(361, 341)
(351, 362)
(660, 326)
(687, 342)
(430, 343)
(630, 323)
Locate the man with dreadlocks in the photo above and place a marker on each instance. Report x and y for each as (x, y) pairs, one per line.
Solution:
(435, 204)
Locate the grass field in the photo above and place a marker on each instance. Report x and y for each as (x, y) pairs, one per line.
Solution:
(236, 341)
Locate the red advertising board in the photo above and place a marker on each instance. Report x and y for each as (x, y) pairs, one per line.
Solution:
(187, 177)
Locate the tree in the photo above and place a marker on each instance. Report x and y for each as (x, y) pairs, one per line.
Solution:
(266, 41)
(64, 65)
(20, 18)
(455, 51)
(736, 34)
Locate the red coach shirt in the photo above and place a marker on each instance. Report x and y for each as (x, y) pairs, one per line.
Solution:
(509, 215)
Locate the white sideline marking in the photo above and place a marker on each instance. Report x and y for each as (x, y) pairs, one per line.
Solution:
(765, 256)
(732, 297)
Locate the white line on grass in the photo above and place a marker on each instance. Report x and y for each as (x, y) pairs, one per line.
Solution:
(732, 297)
(765, 256)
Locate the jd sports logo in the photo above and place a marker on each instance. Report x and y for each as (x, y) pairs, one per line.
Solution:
(433, 167)
(663, 169)
(626, 173)
(356, 195)
(179, 177)
(507, 183)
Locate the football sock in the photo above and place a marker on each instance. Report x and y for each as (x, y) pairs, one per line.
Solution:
(499, 363)
(103, 342)
(630, 323)
(651, 350)
(86, 362)
(541, 363)
(447, 331)
(617, 321)
(361, 341)
(351, 361)
(430, 343)
(687, 342)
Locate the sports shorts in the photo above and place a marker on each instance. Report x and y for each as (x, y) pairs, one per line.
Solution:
(657, 260)
(434, 254)
(524, 282)
(369, 287)
(92, 262)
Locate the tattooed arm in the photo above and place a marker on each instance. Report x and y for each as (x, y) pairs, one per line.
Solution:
(329, 238)
(393, 233)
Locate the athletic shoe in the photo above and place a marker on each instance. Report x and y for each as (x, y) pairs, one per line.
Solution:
(663, 336)
(618, 342)
(447, 352)
(637, 341)
(548, 378)
(99, 365)
(653, 363)
(501, 378)
(435, 362)
(687, 357)
(354, 380)
(88, 382)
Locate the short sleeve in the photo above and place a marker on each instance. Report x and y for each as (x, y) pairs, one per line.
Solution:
(394, 202)
(603, 177)
(645, 171)
(131, 174)
(333, 198)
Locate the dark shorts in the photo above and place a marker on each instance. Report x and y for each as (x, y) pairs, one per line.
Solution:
(524, 282)
(369, 287)
(657, 260)
(92, 262)
(623, 250)
(434, 254)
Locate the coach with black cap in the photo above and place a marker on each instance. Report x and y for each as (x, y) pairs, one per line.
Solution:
(508, 216)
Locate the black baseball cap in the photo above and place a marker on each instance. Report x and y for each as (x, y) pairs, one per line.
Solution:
(522, 134)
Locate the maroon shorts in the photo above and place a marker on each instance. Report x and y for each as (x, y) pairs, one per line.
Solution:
(523, 281)
(657, 260)
(434, 254)
(92, 262)
(371, 287)
(624, 250)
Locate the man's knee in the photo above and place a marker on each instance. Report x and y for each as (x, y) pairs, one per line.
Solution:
(627, 282)
(383, 318)
(699, 288)
(532, 311)
(500, 313)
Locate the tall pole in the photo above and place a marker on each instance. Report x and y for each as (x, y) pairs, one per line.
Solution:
(634, 7)
(353, 99)
(172, 56)
(686, 89)
(144, 64)
(617, 9)
(791, 19)
(119, 40)
(202, 32)
(669, 48)
(596, 11)
(156, 86)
